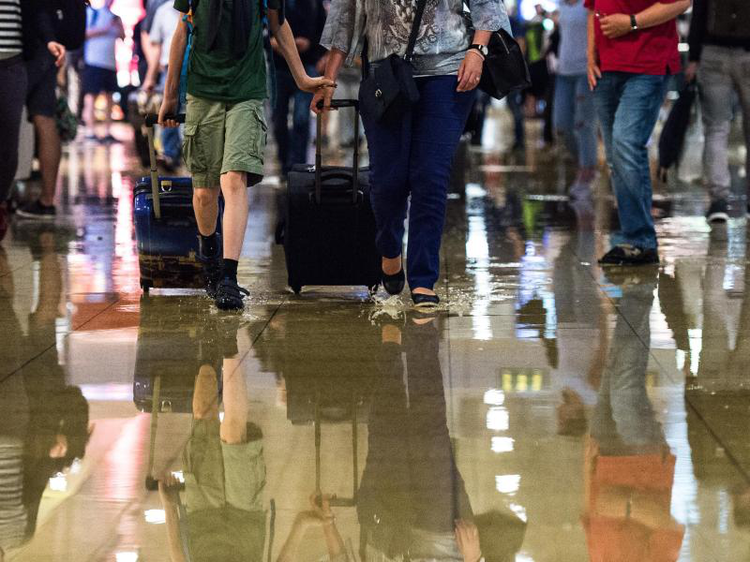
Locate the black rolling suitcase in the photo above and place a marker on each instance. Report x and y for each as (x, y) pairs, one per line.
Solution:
(329, 230)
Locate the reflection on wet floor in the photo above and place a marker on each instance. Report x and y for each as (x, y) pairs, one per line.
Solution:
(549, 411)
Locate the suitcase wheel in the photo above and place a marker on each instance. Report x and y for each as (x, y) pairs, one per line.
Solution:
(297, 289)
(146, 285)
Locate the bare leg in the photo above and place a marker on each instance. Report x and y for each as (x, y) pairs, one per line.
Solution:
(88, 113)
(50, 151)
(234, 188)
(206, 205)
(108, 115)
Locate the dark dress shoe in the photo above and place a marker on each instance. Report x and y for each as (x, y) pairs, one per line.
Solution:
(425, 301)
(394, 284)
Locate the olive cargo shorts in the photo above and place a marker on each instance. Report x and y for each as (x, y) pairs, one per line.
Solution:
(224, 137)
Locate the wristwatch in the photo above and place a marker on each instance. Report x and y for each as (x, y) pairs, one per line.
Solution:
(633, 23)
(483, 50)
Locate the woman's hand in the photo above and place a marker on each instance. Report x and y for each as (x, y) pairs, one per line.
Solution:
(467, 537)
(470, 71)
(313, 85)
(325, 95)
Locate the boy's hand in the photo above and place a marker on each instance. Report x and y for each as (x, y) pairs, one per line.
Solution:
(467, 538)
(168, 107)
(312, 85)
(325, 95)
(57, 50)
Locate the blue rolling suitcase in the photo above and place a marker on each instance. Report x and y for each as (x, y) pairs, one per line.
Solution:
(165, 228)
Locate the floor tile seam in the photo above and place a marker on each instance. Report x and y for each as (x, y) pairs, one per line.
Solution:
(727, 451)
(16, 269)
(46, 349)
(260, 333)
(646, 345)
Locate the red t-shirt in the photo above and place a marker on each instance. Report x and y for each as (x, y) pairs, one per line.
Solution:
(645, 51)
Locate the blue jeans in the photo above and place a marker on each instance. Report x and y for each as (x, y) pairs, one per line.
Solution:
(574, 112)
(171, 138)
(628, 107)
(412, 157)
(292, 148)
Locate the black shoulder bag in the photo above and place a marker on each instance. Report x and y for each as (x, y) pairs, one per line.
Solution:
(387, 91)
(505, 69)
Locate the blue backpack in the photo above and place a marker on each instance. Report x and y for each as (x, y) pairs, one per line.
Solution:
(188, 19)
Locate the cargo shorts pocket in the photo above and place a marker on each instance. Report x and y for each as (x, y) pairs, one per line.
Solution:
(192, 150)
(261, 132)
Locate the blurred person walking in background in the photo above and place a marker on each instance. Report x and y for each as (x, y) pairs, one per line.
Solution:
(160, 35)
(630, 58)
(41, 104)
(23, 30)
(720, 58)
(574, 109)
(306, 18)
(103, 29)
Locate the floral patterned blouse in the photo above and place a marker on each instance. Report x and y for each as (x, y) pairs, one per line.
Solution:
(443, 35)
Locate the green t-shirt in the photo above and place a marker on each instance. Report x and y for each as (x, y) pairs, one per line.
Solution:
(217, 74)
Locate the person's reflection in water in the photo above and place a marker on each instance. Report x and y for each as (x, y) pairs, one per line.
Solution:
(412, 503)
(222, 517)
(45, 422)
(629, 469)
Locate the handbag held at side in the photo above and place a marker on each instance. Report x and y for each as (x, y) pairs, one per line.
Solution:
(505, 69)
(388, 87)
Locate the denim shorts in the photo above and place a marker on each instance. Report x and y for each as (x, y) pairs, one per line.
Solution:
(224, 137)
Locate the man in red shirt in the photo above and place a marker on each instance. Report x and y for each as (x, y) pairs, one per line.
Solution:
(632, 50)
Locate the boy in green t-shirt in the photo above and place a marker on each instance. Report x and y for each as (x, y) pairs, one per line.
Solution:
(225, 129)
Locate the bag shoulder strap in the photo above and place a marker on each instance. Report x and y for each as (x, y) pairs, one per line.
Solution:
(415, 30)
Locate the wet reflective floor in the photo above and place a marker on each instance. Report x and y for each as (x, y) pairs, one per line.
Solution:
(550, 411)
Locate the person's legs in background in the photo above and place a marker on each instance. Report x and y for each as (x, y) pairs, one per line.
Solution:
(438, 123)
(515, 104)
(564, 112)
(285, 88)
(12, 99)
(300, 124)
(585, 130)
(478, 116)
(739, 68)
(716, 88)
(41, 102)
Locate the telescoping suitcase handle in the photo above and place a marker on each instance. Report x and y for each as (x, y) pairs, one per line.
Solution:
(337, 104)
(152, 119)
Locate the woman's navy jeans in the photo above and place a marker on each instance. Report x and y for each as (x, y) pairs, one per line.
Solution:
(412, 157)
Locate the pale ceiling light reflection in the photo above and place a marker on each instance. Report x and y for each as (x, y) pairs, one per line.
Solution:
(494, 397)
(155, 516)
(502, 444)
(507, 483)
(520, 511)
(58, 483)
(497, 419)
(126, 556)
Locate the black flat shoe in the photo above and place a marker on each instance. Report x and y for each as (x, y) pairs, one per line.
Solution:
(394, 284)
(425, 301)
